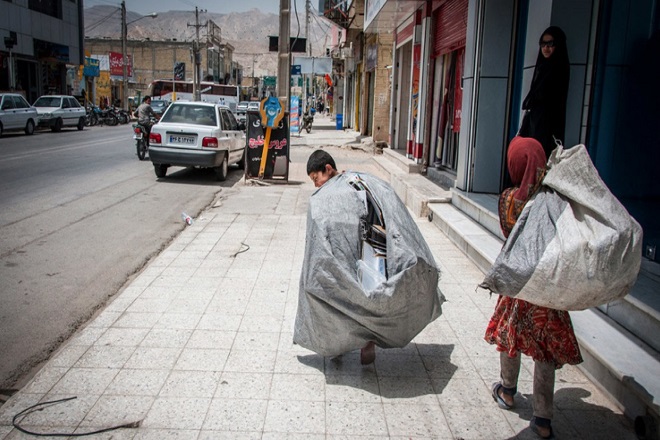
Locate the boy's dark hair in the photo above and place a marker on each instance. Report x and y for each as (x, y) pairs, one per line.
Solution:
(318, 160)
(145, 98)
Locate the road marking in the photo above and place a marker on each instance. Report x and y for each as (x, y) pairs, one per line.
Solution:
(58, 149)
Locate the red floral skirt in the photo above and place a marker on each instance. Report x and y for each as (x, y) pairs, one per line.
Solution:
(542, 333)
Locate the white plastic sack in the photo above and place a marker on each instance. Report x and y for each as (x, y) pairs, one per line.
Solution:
(574, 246)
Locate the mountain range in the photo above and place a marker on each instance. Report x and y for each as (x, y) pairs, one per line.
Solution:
(247, 32)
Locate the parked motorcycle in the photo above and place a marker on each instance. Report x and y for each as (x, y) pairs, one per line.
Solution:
(90, 117)
(106, 116)
(122, 116)
(307, 122)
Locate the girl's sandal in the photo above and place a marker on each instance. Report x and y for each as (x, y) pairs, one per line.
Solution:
(497, 386)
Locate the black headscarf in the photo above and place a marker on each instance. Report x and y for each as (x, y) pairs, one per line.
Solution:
(547, 95)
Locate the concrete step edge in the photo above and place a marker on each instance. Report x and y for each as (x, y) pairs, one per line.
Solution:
(401, 161)
(487, 219)
(628, 358)
(474, 240)
(636, 317)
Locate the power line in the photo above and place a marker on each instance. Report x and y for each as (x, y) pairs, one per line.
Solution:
(101, 21)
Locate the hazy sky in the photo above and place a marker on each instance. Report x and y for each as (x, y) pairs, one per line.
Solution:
(220, 6)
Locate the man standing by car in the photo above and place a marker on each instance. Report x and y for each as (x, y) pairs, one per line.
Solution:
(144, 113)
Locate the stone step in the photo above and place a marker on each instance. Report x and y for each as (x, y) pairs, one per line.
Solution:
(639, 312)
(473, 239)
(401, 161)
(481, 208)
(413, 189)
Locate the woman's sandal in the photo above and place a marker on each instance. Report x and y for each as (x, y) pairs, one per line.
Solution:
(535, 429)
(497, 386)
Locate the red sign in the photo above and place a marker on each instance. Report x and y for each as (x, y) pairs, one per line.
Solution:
(117, 67)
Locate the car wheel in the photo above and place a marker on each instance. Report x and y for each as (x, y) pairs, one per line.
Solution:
(81, 124)
(160, 169)
(29, 127)
(58, 125)
(241, 163)
(0, 129)
(221, 171)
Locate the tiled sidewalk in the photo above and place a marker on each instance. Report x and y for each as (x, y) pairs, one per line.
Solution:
(199, 347)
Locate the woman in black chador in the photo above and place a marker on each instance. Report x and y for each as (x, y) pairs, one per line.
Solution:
(546, 101)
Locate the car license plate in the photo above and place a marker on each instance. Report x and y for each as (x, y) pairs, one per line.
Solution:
(137, 136)
(185, 140)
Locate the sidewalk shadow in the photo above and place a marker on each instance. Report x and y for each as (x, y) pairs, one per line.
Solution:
(408, 372)
(574, 417)
(255, 181)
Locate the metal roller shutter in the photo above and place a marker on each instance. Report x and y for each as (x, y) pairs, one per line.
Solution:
(450, 27)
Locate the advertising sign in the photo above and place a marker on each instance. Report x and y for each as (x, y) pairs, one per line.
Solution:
(277, 159)
(117, 66)
(295, 114)
(91, 67)
(314, 65)
(180, 71)
(372, 8)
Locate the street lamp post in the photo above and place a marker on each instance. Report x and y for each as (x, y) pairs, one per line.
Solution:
(124, 56)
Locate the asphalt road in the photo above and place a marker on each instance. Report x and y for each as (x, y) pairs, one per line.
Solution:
(80, 215)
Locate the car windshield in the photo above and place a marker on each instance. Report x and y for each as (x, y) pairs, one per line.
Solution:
(48, 101)
(253, 106)
(191, 114)
(243, 105)
(157, 104)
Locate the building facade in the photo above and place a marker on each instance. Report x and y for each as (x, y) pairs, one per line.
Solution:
(460, 70)
(150, 60)
(41, 40)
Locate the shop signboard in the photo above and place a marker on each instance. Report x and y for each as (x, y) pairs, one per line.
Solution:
(117, 65)
(277, 160)
(91, 67)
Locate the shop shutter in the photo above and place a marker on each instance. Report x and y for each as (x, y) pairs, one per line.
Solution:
(450, 27)
(405, 33)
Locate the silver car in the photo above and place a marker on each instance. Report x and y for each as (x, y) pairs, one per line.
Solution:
(241, 108)
(17, 114)
(197, 134)
(57, 111)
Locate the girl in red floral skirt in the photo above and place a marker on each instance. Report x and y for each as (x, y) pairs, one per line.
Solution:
(518, 326)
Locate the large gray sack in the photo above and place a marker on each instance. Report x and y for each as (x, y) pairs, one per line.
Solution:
(335, 314)
(574, 245)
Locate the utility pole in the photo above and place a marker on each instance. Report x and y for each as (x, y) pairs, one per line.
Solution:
(124, 60)
(197, 57)
(308, 9)
(283, 88)
(309, 51)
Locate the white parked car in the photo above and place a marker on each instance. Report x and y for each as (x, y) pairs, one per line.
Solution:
(197, 134)
(17, 114)
(57, 111)
(241, 108)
